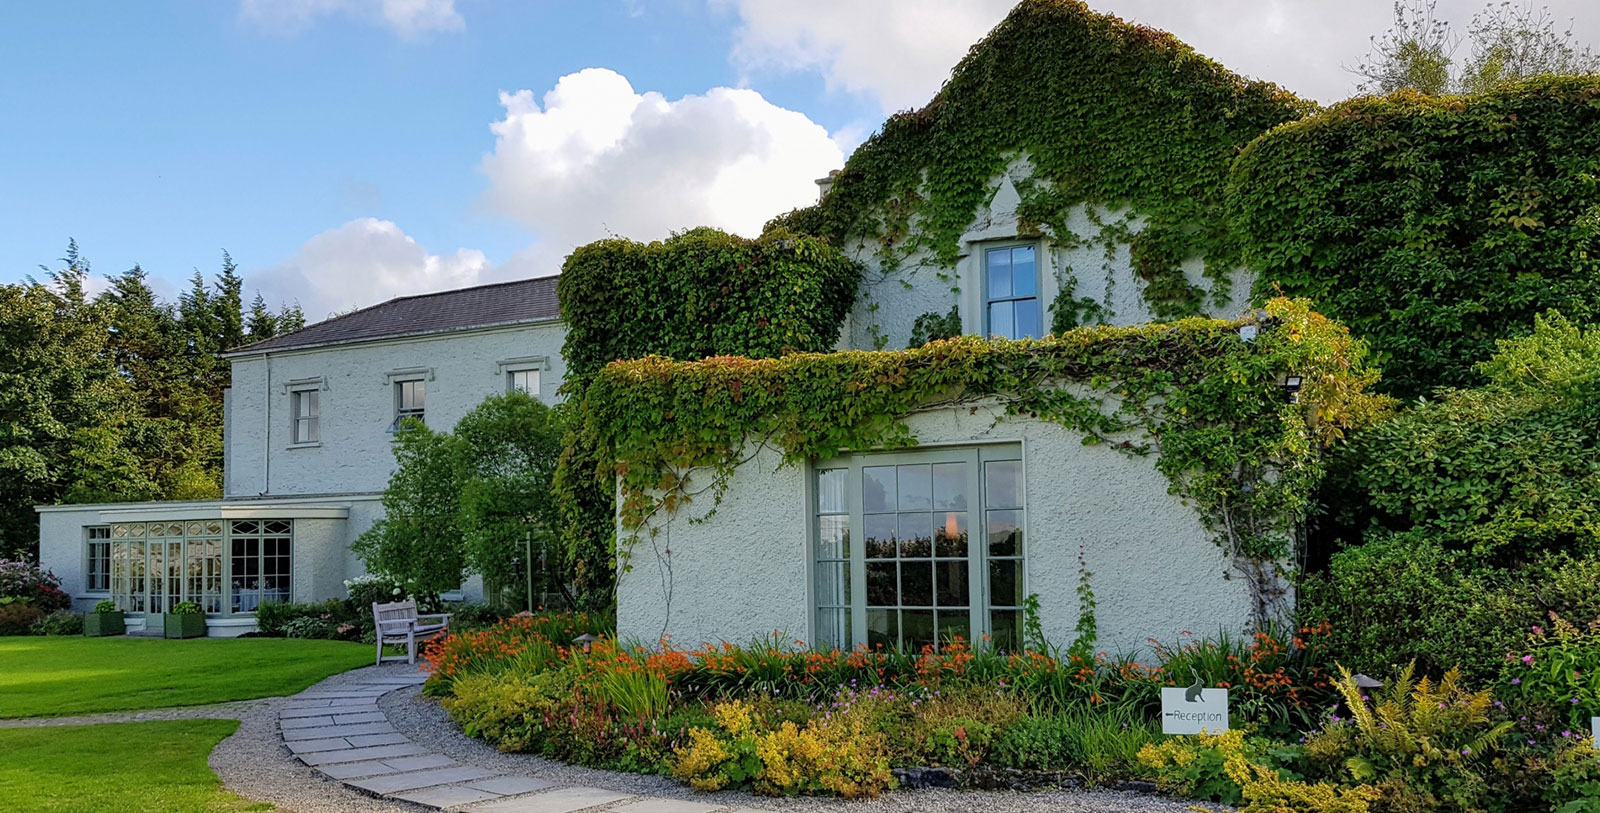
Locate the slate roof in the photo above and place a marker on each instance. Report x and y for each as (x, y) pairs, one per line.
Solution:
(501, 303)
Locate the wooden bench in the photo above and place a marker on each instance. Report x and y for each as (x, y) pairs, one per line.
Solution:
(399, 623)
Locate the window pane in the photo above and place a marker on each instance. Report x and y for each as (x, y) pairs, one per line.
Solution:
(952, 579)
(1023, 272)
(830, 490)
(915, 533)
(954, 624)
(1002, 482)
(833, 583)
(950, 537)
(1005, 582)
(833, 537)
(1028, 319)
(950, 486)
(833, 628)
(999, 270)
(419, 392)
(916, 627)
(313, 399)
(883, 629)
(1005, 630)
(1000, 320)
(881, 589)
(916, 487)
(916, 584)
(880, 536)
(1005, 533)
(878, 488)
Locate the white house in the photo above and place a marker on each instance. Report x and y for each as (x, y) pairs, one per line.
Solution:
(308, 426)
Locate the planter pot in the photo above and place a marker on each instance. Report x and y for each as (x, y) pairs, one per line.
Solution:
(187, 625)
(97, 625)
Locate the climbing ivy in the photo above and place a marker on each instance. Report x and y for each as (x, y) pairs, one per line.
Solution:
(1118, 117)
(1204, 400)
(696, 294)
(1432, 226)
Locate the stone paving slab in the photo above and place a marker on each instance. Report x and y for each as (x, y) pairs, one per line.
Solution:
(420, 762)
(445, 796)
(296, 714)
(290, 723)
(560, 800)
(320, 732)
(411, 780)
(360, 717)
(356, 770)
(299, 747)
(358, 754)
(510, 785)
(656, 804)
(365, 740)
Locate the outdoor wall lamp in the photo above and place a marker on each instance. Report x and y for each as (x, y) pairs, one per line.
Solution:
(1291, 388)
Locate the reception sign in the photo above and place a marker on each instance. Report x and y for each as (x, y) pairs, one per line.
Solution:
(1191, 710)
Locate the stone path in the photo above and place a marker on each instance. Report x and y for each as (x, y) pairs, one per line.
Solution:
(337, 728)
(232, 710)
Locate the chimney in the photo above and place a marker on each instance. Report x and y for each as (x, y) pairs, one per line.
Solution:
(824, 184)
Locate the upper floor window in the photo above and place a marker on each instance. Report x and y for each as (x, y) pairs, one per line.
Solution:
(409, 398)
(97, 577)
(303, 405)
(1011, 292)
(523, 381)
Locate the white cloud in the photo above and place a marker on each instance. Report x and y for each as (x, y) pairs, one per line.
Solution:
(598, 157)
(361, 263)
(408, 18)
(900, 51)
(897, 51)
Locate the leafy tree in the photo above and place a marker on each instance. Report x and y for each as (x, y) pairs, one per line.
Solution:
(1516, 42)
(472, 500)
(1415, 53)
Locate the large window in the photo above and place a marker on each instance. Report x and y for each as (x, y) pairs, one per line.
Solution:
(1011, 292)
(155, 566)
(914, 549)
(97, 576)
(409, 400)
(304, 406)
(260, 562)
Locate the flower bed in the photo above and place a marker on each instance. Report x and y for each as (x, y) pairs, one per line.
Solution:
(777, 718)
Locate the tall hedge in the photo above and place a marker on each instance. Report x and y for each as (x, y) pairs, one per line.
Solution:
(696, 294)
(1109, 114)
(1431, 225)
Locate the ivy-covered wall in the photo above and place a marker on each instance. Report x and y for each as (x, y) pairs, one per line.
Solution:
(1432, 225)
(1207, 403)
(1114, 138)
(696, 294)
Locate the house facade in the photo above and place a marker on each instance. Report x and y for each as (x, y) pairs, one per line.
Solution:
(308, 426)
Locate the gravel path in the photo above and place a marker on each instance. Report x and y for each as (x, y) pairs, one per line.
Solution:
(424, 721)
(234, 710)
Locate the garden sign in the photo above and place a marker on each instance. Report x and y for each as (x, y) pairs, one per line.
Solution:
(1194, 709)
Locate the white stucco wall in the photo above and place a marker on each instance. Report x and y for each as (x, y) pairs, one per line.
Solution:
(356, 403)
(891, 299)
(1155, 571)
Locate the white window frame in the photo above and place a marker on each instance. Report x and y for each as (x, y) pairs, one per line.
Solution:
(984, 300)
(311, 424)
(97, 536)
(980, 602)
(508, 369)
(401, 412)
(533, 377)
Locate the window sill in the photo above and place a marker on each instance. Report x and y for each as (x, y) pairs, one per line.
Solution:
(315, 444)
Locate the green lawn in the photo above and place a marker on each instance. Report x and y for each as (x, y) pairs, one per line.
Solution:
(117, 766)
(46, 676)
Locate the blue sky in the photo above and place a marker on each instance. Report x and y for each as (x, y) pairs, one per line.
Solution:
(345, 151)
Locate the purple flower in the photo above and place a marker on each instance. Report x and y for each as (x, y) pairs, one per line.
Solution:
(1574, 701)
(1566, 733)
(1466, 751)
(1528, 659)
(1515, 681)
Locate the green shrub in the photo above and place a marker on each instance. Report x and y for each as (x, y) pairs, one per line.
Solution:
(18, 617)
(60, 622)
(105, 606)
(1555, 676)
(1101, 744)
(317, 626)
(273, 617)
(838, 754)
(1432, 226)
